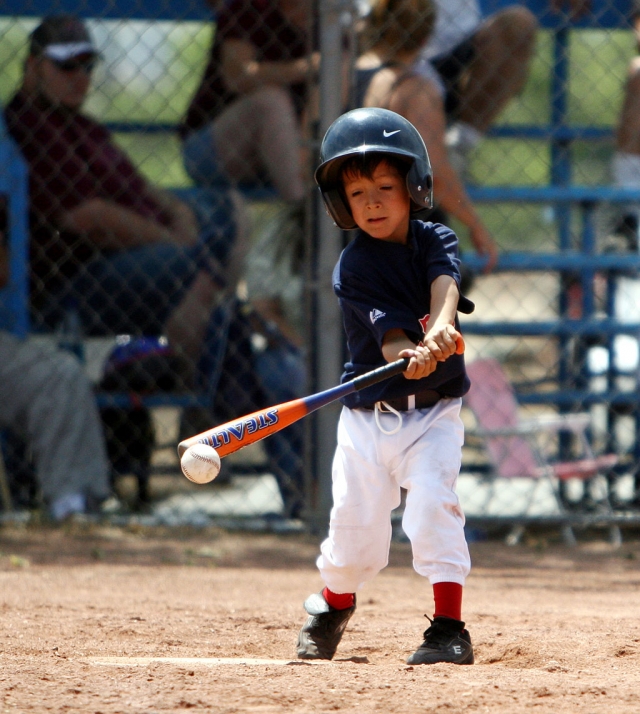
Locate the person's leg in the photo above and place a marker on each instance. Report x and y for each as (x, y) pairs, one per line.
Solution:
(131, 292)
(503, 49)
(282, 376)
(626, 159)
(45, 395)
(434, 523)
(201, 160)
(433, 519)
(259, 134)
(357, 547)
(225, 228)
(151, 291)
(628, 130)
(224, 231)
(364, 494)
(134, 291)
(481, 75)
(156, 290)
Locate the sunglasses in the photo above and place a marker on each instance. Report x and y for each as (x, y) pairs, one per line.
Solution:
(73, 65)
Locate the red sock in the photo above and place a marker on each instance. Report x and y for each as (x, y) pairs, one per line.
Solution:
(448, 600)
(340, 602)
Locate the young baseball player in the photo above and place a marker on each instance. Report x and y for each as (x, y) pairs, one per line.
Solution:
(397, 283)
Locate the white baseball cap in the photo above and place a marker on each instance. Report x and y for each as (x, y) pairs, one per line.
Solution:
(61, 38)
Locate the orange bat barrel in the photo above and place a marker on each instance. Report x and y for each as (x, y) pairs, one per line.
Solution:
(241, 432)
(236, 434)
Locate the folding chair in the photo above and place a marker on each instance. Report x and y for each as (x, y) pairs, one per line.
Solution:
(516, 448)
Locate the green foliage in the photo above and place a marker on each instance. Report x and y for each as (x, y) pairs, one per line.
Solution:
(157, 156)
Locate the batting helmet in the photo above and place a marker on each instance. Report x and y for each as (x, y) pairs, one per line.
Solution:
(372, 130)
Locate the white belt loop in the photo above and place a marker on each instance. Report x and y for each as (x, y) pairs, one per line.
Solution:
(411, 402)
(376, 413)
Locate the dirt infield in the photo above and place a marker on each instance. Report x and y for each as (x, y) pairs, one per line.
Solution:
(109, 620)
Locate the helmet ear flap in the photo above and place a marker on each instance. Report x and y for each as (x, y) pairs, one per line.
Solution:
(337, 209)
(420, 185)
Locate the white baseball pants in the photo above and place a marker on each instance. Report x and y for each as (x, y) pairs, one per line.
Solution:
(369, 469)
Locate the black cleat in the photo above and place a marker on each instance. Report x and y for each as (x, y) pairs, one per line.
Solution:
(322, 632)
(445, 641)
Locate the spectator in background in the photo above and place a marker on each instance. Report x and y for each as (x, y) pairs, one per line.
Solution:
(132, 257)
(244, 122)
(626, 159)
(450, 73)
(46, 398)
(245, 125)
(479, 64)
(626, 174)
(274, 278)
(386, 77)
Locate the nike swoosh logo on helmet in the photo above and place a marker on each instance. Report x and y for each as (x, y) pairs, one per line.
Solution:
(386, 133)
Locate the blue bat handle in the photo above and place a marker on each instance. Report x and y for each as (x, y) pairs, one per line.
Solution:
(315, 401)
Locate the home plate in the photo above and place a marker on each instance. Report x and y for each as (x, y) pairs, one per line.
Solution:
(194, 661)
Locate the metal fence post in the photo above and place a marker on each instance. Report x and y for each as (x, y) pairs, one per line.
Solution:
(328, 358)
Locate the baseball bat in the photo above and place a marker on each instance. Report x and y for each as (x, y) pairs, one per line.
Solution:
(235, 435)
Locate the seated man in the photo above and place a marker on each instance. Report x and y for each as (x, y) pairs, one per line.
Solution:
(46, 398)
(128, 256)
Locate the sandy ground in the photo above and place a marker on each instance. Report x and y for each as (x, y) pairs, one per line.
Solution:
(555, 629)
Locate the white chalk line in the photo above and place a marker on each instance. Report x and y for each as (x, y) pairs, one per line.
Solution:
(196, 661)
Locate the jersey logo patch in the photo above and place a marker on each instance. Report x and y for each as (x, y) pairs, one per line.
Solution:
(423, 322)
(376, 315)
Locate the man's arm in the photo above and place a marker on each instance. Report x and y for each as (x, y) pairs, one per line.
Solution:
(109, 225)
(183, 220)
(60, 197)
(242, 73)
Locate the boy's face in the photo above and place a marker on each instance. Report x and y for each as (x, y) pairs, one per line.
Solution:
(380, 205)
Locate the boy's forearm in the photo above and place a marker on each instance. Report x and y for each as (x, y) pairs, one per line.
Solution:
(395, 341)
(444, 301)
(444, 304)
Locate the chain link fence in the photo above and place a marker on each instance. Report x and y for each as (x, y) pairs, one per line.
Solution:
(173, 233)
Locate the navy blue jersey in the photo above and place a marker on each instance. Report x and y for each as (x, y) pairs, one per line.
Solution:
(383, 285)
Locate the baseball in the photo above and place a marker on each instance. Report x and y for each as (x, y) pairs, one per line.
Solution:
(200, 463)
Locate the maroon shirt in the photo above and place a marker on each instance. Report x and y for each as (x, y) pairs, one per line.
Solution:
(71, 159)
(260, 23)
